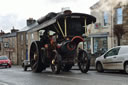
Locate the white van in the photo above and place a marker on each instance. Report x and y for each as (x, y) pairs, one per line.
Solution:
(114, 59)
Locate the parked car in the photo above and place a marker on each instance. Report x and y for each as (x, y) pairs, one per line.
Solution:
(114, 59)
(25, 64)
(5, 62)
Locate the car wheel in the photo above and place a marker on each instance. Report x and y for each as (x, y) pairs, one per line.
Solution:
(99, 67)
(126, 68)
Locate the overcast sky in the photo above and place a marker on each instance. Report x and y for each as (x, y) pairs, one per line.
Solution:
(15, 12)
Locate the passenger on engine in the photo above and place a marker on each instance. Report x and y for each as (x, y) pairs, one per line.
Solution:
(45, 38)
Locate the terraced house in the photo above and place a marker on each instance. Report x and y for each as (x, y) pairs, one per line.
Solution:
(14, 46)
(9, 47)
(111, 28)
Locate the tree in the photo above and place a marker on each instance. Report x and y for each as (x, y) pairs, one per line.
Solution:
(119, 32)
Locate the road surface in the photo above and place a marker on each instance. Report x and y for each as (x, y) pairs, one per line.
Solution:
(16, 76)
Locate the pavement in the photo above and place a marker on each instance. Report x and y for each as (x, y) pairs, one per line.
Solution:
(92, 68)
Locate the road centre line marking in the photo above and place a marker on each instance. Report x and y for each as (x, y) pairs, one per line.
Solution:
(69, 77)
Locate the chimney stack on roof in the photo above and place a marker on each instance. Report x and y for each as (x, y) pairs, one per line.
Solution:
(30, 21)
(14, 30)
(2, 33)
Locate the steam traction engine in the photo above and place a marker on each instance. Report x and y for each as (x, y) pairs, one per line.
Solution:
(60, 51)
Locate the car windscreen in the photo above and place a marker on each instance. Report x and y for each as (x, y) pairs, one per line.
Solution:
(3, 58)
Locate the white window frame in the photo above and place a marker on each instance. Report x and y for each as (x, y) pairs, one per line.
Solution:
(105, 19)
(119, 16)
(22, 37)
(32, 36)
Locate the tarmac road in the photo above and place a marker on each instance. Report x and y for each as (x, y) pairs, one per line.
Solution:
(16, 76)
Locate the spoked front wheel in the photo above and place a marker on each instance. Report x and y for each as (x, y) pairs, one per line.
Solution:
(83, 61)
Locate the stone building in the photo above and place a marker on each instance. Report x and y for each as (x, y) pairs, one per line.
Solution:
(14, 45)
(9, 46)
(1, 45)
(30, 36)
(23, 43)
(22, 47)
(1, 33)
(109, 13)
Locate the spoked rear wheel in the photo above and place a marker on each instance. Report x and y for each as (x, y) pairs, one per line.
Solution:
(56, 64)
(83, 61)
(36, 57)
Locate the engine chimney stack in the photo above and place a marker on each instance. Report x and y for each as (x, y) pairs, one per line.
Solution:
(66, 10)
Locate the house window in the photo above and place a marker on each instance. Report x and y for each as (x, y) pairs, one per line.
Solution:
(6, 45)
(105, 18)
(32, 36)
(21, 37)
(26, 37)
(119, 16)
(13, 42)
(100, 44)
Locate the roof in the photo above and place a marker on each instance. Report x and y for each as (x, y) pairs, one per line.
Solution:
(97, 4)
(29, 27)
(9, 35)
(50, 20)
(45, 24)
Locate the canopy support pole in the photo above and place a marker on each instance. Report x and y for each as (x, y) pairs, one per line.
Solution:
(60, 29)
(85, 27)
(56, 29)
(65, 23)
